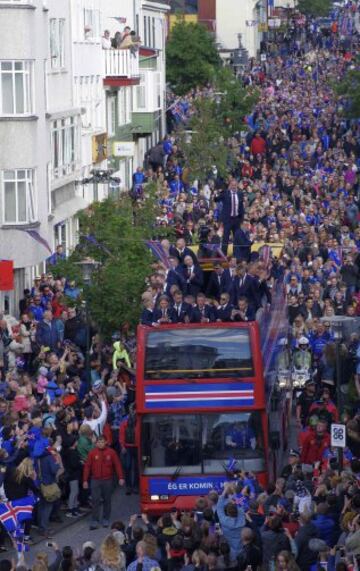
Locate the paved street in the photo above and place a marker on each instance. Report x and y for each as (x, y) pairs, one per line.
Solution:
(76, 532)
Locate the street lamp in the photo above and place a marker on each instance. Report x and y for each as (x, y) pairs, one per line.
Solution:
(88, 267)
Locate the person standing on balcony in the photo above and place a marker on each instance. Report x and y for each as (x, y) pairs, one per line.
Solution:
(106, 41)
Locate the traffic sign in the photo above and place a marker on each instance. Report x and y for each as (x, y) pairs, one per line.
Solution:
(338, 435)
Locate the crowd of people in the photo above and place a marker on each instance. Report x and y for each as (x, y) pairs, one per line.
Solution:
(67, 437)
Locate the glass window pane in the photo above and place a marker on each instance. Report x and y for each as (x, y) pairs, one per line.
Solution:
(21, 174)
(6, 65)
(237, 435)
(10, 202)
(198, 353)
(171, 444)
(19, 65)
(19, 92)
(9, 175)
(7, 94)
(31, 200)
(21, 187)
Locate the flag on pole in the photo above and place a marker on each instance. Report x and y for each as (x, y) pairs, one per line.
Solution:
(6, 275)
(15, 512)
(34, 234)
(158, 251)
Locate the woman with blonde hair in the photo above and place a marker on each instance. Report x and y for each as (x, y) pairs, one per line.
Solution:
(41, 562)
(18, 483)
(111, 556)
(286, 562)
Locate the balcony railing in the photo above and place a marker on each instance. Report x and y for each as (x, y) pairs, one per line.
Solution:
(121, 63)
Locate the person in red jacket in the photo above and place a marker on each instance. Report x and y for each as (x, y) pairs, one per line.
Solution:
(315, 444)
(258, 145)
(101, 465)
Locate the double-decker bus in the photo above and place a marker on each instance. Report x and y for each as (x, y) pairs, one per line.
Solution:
(202, 400)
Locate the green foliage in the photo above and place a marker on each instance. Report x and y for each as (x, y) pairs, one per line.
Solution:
(216, 119)
(314, 8)
(235, 102)
(206, 147)
(120, 228)
(349, 90)
(191, 57)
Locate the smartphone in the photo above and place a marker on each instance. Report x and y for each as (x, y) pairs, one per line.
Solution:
(49, 544)
(139, 516)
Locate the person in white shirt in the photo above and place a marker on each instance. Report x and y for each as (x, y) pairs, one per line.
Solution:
(106, 41)
(96, 424)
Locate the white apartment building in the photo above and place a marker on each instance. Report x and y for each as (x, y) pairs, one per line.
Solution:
(67, 107)
(245, 17)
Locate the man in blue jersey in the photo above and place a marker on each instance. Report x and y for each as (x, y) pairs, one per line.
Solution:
(239, 435)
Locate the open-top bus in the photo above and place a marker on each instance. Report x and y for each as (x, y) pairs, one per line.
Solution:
(202, 400)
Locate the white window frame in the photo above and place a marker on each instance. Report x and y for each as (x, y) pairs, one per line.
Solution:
(91, 21)
(15, 176)
(124, 106)
(111, 115)
(57, 43)
(65, 132)
(141, 99)
(17, 68)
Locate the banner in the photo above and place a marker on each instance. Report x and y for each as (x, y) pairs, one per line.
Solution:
(6, 275)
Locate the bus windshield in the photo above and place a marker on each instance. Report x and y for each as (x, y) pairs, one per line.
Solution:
(198, 353)
(201, 443)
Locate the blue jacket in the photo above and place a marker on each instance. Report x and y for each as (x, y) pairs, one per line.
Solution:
(325, 528)
(231, 526)
(47, 469)
(47, 334)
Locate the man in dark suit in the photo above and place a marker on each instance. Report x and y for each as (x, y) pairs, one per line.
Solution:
(242, 244)
(243, 311)
(202, 312)
(164, 313)
(223, 311)
(193, 276)
(172, 277)
(232, 211)
(219, 282)
(147, 314)
(182, 310)
(181, 251)
(244, 287)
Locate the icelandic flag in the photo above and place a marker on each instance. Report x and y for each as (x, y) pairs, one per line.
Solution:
(15, 512)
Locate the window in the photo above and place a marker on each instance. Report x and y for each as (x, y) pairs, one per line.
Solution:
(91, 23)
(64, 146)
(57, 43)
(111, 115)
(19, 201)
(201, 443)
(198, 353)
(141, 92)
(124, 105)
(15, 2)
(16, 88)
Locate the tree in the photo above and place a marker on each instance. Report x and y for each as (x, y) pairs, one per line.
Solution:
(314, 8)
(234, 101)
(191, 57)
(349, 91)
(206, 146)
(114, 233)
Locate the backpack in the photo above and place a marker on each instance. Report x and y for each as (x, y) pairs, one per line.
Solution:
(130, 430)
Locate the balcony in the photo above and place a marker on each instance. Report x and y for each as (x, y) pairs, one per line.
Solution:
(121, 67)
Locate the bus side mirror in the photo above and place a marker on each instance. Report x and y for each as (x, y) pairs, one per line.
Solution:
(274, 440)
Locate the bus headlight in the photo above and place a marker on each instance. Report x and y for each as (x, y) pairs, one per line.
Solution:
(164, 497)
(154, 498)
